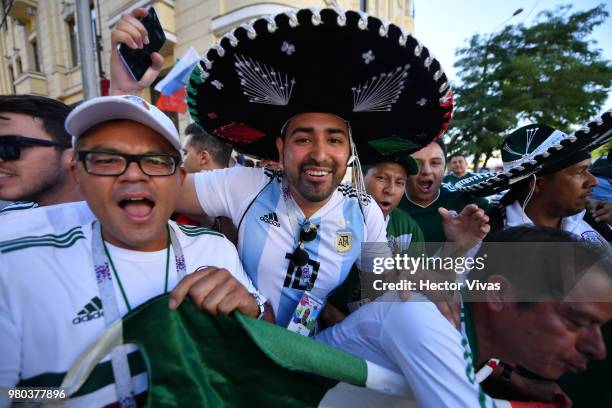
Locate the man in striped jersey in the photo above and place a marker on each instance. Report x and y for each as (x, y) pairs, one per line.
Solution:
(58, 292)
(35, 153)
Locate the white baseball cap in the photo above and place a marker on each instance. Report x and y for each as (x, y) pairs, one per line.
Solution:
(106, 108)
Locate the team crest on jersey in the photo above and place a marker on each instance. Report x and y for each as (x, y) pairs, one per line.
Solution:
(343, 240)
(594, 238)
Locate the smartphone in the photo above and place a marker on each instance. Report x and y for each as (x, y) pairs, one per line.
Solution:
(139, 60)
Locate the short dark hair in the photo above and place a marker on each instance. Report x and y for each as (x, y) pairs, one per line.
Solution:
(200, 140)
(193, 128)
(52, 113)
(540, 276)
(442, 146)
(456, 154)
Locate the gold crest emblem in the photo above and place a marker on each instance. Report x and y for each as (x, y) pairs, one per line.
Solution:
(343, 240)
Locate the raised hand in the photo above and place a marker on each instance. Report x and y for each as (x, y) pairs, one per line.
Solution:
(467, 228)
(601, 210)
(131, 32)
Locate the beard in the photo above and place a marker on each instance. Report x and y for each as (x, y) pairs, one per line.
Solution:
(314, 192)
(54, 177)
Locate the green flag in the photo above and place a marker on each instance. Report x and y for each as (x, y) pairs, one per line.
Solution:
(194, 359)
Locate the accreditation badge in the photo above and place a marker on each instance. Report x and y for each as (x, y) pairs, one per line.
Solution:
(305, 315)
(343, 240)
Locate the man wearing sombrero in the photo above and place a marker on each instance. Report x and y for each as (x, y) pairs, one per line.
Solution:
(318, 90)
(547, 173)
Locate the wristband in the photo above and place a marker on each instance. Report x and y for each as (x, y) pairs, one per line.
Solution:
(260, 305)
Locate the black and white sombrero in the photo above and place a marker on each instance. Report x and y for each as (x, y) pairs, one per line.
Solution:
(537, 149)
(373, 74)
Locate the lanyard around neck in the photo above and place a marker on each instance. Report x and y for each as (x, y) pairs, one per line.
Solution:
(103, 265)
(101, 260)
(116, 275)
(292, 211)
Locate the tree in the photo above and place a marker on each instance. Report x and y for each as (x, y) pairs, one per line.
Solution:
(549, 72)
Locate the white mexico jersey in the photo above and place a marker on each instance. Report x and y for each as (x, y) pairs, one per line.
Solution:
(50, 307)
(49, 219)
(412, 338)
(253, 199)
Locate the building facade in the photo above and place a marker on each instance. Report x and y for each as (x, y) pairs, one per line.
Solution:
(39, 39)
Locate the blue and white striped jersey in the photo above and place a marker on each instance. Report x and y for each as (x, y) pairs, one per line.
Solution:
(253, 199)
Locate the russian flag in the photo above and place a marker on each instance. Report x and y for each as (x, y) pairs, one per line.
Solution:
(172, 87)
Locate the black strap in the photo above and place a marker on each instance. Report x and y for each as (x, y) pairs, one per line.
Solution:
(250, 204)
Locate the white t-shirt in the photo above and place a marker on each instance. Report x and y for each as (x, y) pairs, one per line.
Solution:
(266, 236)
(575, 224)
(414, 339)
(50, 307)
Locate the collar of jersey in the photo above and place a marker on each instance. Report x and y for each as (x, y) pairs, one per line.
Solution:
(423, 206)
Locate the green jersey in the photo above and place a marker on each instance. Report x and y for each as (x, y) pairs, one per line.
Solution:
(403, 232)
(452, 179)
(428, 217)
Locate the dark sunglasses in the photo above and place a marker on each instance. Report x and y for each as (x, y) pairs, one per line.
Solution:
(11, 145)
(300, 256)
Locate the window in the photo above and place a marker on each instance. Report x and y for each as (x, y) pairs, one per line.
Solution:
(34, 60)
(11, 77)
(6, 4)
(18, 66)
(74, 47)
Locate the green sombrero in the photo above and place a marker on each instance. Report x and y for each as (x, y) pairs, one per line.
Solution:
(539, 149)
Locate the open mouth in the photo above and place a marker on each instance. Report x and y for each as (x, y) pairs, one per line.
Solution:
(5, 175)
(317, 174)
(137, 208)
(425, 185)
(384, 205)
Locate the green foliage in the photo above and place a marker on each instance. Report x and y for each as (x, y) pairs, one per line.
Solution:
(549, 72)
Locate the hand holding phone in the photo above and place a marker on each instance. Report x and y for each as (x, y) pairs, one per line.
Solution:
(130, 31)
(138, 60)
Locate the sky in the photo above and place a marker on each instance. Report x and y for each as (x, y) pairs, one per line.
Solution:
(445, 25)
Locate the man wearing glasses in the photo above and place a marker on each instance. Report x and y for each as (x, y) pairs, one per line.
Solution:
(35, 153)
(128, 169)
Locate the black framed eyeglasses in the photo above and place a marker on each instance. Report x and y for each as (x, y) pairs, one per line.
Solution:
(101, 163)
(11, 145)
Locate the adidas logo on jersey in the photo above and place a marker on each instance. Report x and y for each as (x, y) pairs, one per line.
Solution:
(270, 219)
(92, 310)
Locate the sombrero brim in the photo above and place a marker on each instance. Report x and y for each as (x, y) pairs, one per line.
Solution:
(369, 72)
(587, 138)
